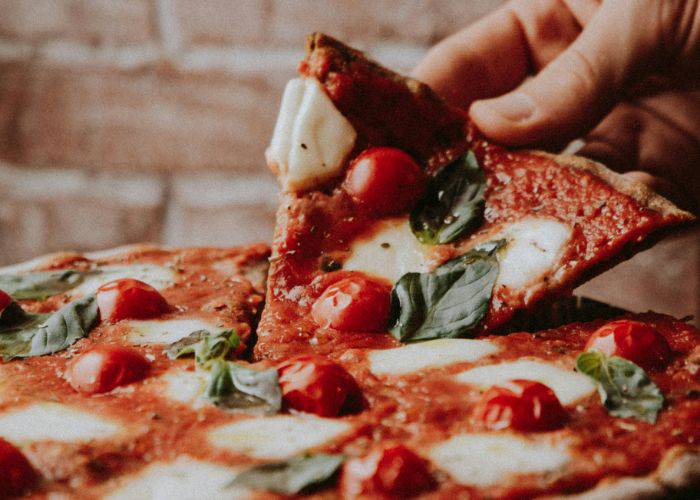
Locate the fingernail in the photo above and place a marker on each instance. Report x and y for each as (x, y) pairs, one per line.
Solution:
(514, 107)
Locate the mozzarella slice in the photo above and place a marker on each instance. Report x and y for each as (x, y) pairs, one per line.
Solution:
(311, 137)
(55, 422)
(486, 459)
(164, 332)
(184, 386)
(568, 385)
(158, 277)
(431, 354)
(535, 247)
(276, 437)
(183, 479)
(388, 250)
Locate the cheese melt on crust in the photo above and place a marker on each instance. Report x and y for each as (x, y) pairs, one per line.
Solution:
(489, 458)
(431, 354)
(55, 422)
(164, 332)
(568, 385)
(158, 277)
(311, 137)
(276, 437)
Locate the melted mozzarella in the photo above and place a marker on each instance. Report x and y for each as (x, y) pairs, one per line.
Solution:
(389, 251)
(184, 386)
(568, 385)
(311, 137)
(535, 247)
(431, 354)
(164, 332)
(486, 459)
(55, 422)
(158, 277)
(184, 478)
(276, 437)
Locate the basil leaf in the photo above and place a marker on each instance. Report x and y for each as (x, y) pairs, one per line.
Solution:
(235, 387)
(448, 302)
(40, 334)
(624, 388)
(453, 204)
(292, 476)
(41, 284)
(204, 345)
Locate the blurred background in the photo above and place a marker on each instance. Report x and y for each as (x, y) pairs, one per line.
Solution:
(146, 120)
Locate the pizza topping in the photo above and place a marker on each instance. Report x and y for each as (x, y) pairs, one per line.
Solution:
(26, 335)
(129, 299)
(390, 470)
(311, 138)
(522, 405)
(430, 354)
(104, 367)
(389, 251)
(385, 181)
(277, 437)
(166, 331)
(298, 474)
(632, 340)
(204, 345)
(39, 285)
(448, 302)
(5, 300)
(16, 473)
(492, 458)
(353, 304)
(314, 384)
(567, 385)
(454, 203)
(235, 387)
(625, 389)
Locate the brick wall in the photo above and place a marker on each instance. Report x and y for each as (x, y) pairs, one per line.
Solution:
(133, 120)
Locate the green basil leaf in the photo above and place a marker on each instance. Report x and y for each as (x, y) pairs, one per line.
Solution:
(453, 204)
(448, 302)
(40, 334)
(41, 284)
(624, 388)
(292, 476)
(235, 387)
(204, 345)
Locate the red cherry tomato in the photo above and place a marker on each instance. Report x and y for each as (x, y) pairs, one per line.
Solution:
(632, 340)
(5, 300)
(522, 405)
(393, 471)
(353, 304)
(104, 367)
(129, 299)
(314, 384)
(385, 180)
(16, 473)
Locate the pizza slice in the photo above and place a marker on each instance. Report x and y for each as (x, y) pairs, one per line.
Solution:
(398, 217)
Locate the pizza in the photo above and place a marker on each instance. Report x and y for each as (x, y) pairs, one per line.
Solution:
(408, 334)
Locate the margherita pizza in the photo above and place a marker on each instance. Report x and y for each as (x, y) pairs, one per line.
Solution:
(387, 363)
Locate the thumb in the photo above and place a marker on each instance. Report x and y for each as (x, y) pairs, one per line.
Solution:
(576, 89)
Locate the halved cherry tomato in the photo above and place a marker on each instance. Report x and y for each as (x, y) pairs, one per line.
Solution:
(5, 300)
(385, 180)
(104, 367)
(16, 473)
(129, 299)
(314, 384)
(523, 405)
(392, 470)
(353, 304)
(632, 340)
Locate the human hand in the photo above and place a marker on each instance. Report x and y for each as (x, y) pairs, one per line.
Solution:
(624, 74)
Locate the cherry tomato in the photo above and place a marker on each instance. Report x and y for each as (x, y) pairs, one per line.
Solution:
(522, 405)
(16, 473)
(392, 470)
(129, 299)
(104, 367)
(314, 384)
(632, 340)
(385, 180)
(353, 304)
(5, 300)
